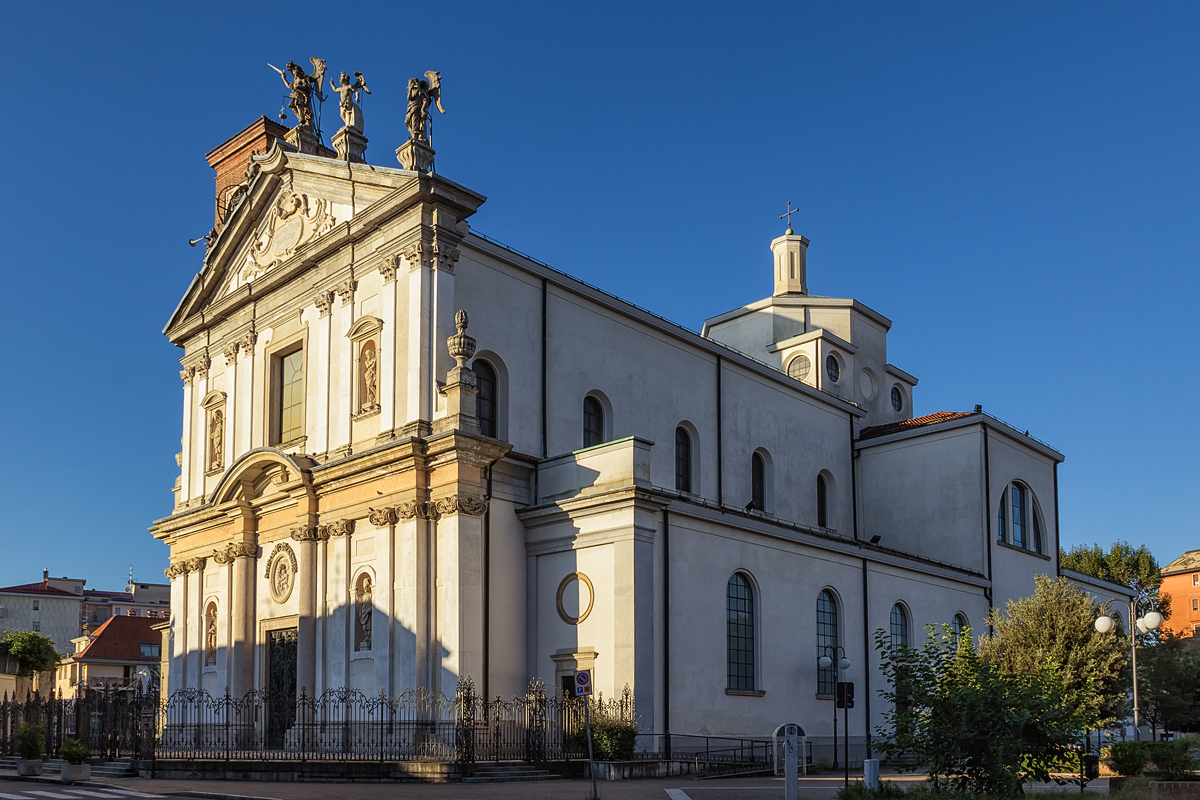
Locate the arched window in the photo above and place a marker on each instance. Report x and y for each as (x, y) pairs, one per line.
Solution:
(739, 636)
(758, 482)
(1001, 533)
(593, 422)
(487, 406)
(899, 626)
(822, 509)
(683, 460)
(1018, 520)
(957, 626)
(827, 637)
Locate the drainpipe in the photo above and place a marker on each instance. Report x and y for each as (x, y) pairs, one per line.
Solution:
(487, 585)
(865, 595)
(720, 461)
(987, 497)
(545, 451)
(667, 634)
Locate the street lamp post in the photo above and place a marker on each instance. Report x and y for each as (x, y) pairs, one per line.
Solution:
(1152, 621)
(826, 661)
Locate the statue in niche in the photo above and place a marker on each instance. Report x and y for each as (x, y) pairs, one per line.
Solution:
(352, 116)
(210, 636)
(302, 88)
(370, 377)
(365, 607)
(422, 93)
(216, 438)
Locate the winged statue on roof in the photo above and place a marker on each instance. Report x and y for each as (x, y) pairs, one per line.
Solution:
(303, 88)
(422, 93)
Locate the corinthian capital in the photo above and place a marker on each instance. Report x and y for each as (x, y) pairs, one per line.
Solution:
(382, 517)
(305, 533)
(461, 504)
(196, 564)
(343, 527)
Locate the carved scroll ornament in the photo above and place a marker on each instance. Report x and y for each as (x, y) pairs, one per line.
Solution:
(343, 527)
(295, 221)
(454, 504)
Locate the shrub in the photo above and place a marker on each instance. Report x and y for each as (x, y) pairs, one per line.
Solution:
(1173, 761)
(887, 790)
(73, 752)
(31, 741)
(613, 739)
(1128, 758)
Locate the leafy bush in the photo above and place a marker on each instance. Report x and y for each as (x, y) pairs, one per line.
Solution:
(73, 752)
(31, 741)
(613, 739)
(888, 790)
(1128, 758)
(1173, 761)
(34, 652)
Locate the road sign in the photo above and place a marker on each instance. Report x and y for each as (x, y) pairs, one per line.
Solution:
(845, 694)
(583, 682)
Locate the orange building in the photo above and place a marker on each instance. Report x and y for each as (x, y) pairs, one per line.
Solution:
(1181, 580)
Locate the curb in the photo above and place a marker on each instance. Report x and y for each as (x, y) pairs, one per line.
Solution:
(214, 795)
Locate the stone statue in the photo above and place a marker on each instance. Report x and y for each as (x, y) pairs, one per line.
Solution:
(365, 608)
(283, 578)
(420, 94)
(216, 436)
(302, 87)
(210, 637)
(370, 378)
(352, 116)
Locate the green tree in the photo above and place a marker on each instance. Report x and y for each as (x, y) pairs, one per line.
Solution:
(34, 653)
(1124, 564)
(976, 727)
(1054, 628)
(1169, 685)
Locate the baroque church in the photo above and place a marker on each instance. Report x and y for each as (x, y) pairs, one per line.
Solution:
(412, 455)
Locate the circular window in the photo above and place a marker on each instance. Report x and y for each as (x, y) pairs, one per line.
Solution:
(832, 368)
(572, 607)
(799, 367)
(897, 398)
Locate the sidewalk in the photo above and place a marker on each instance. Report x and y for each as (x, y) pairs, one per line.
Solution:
(819, 787)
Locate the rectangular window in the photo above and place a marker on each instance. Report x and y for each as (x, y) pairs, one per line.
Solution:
(1196, 579)
(150, 650)
(37, 626)
(132, 612)
(287, 403)
(35, 605)
(1018, 520)
(1195, 604)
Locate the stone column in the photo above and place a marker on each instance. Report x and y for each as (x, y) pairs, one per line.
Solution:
(335, 630)
(306, 588)
(388, 396)
(177, 672)
(412, 598)
(193, 641)
(324, 411)
(341, 403)
(460, 589)
(231, 409)
(185, 463)
(633, 605)
(247, 344)
(243, 618)
(199, 425)
(419, 380)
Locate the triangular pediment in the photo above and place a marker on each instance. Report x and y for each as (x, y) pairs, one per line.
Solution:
(293, 202)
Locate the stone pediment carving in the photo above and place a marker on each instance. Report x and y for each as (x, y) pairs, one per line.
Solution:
(294, 220)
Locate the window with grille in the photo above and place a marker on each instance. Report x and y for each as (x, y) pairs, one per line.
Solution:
(683, 460)
(827, 637)
(899, 626)
(957, 626)
(1001, 533)
(593, 422)
(897, 399)
(739, 615)
(799, 367)
(487, 398)
(832, 368)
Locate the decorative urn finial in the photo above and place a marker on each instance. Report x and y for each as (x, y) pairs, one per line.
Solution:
(461, 346)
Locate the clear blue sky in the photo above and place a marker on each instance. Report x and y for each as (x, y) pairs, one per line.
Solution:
(1014, 184)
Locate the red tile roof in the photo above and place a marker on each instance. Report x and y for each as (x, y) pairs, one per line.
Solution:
(126, 596)
(916, 422)
(119, 638)
(37, 588)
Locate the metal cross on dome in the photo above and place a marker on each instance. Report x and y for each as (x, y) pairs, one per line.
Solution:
(788, 216)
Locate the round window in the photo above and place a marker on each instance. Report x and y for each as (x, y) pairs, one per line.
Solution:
(897, 398)
(832, 368)
(799, 367)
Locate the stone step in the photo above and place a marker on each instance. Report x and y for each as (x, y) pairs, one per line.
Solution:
(512, 778)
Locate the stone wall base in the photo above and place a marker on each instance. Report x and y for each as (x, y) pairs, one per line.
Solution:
(357, 771)
(632, 770)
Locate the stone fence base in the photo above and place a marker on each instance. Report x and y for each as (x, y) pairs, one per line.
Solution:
(1181, 789)
(356, 771)
(632, 770)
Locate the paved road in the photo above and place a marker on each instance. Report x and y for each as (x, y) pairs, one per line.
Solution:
(812, 788)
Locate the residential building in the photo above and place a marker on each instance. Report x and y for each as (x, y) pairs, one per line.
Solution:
(112, 657)
(1181, 580)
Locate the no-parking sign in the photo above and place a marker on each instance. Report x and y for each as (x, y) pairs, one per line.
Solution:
(583, 682)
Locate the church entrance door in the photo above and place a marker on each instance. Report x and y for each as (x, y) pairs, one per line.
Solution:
(281, 685)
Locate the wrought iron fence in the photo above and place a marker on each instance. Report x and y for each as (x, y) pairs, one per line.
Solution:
(111, 724)
(338, 725)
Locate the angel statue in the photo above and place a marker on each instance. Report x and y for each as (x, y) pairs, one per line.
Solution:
(420, 94)
(352, 116)
(302, 87)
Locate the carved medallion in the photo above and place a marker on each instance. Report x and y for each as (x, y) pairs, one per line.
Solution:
(281, 572)
(295, 221)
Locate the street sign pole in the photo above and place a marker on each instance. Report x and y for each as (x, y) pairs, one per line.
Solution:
(583, 688)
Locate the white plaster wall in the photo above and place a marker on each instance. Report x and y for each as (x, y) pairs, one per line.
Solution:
(597, 631)
(1012, 569)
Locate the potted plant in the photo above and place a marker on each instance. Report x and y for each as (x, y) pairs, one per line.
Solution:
(31, 743)
(73, 754)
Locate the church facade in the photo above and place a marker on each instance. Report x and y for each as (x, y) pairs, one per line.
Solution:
(410, 455)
